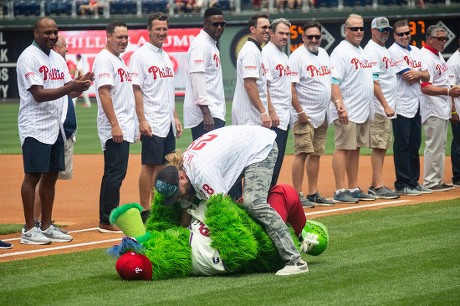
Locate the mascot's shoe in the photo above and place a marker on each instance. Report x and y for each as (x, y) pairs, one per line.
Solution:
(107, 228)
(291, 269)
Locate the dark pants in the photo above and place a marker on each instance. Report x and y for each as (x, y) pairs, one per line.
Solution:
(281, 141)
(198, 130)
(455, 152)
(407, 139)
(115, 165)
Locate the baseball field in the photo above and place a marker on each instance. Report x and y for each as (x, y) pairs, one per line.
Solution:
(398, 252)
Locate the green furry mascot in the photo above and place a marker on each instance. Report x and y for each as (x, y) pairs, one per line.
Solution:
(240, 243)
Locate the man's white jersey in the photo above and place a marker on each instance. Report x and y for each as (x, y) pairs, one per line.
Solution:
(152, 69)
(111, 70)
(249, 65)
(204, 56)
(454, 74)
(313, 78)
(279, 82)
(354, 72)
(435, 106)
(41, 121)
(384, 67)
(407, 95)
(214, 161)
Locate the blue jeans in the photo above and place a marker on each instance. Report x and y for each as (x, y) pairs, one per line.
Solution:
(407, 134)
(455, 152)
(115, 165)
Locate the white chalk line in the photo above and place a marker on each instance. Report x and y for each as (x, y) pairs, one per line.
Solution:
(355, 207)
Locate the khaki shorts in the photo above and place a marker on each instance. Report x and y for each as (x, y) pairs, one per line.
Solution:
(351, 136)
(380, 132)
(309, 140)
(68, 160)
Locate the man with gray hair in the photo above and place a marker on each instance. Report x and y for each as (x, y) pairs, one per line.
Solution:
(435, 108)
(279, 85)
(311, 94)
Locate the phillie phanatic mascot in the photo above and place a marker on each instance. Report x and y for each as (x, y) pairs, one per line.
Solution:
(221, 238)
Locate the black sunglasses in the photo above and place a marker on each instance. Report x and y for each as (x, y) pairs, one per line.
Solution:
(355, 29)
(442, 38)
(217, 24)
(403, 33)
(310, 37)
(384, 30)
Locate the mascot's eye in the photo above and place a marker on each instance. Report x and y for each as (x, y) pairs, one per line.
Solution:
(165, 189)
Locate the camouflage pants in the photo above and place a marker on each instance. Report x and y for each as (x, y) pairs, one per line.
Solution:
(257, 181)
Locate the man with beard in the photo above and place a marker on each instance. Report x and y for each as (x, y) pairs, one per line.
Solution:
(311, 94)
(384, 103)
(153, 85)
(279, 86)
(204, 103)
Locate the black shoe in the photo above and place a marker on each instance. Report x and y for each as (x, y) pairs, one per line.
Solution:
(145, 214)
(5, 245)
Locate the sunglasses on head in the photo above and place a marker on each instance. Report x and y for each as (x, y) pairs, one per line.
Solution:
(403, 33)
(310, 37)
(384, 30)
(441, 38)
(356, 29)
(217, 24)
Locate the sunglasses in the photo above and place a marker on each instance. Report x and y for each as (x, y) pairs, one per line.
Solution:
(310, 37)
(356, 29)
(217, 24)
(403, 33)
(442, 38)
(384, 30)
(264, 27)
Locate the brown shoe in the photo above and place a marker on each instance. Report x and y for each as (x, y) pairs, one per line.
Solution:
(108, 228)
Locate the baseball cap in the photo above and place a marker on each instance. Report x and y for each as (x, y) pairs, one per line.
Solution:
(132, 266)
(380, 23)
(167, 184)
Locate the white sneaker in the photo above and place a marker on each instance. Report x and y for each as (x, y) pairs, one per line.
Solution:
(291, 269)
(55, 235)
(34, 236)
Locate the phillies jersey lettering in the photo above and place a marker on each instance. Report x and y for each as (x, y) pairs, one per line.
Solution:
(360, 63)
(157, 72)
(52, 74)
(318, 71)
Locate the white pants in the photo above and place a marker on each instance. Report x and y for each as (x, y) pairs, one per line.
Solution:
(435, 151)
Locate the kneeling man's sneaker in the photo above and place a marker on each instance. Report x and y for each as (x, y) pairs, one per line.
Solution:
(291, 269)
(55, 235)
(34, 236)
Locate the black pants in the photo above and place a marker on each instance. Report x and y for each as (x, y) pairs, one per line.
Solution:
(198, 130)
(281, 140)
(116, 157)
(455, 152)
(407, 139)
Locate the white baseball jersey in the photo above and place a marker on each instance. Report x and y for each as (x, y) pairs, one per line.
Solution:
(383, 65)
(354, 72)
(111, 70)
(152, 69)
(249, 65)
(313, 78)
(279, 82)
(203, 56)
(407, 95)
(214, 161)
(205, 259)
(454, 74)
(41, 121)
(435, 106)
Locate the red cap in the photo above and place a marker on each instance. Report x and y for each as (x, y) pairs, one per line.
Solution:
(132, 266)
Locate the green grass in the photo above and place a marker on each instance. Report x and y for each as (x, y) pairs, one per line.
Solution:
(88, 139)
(404, 255)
